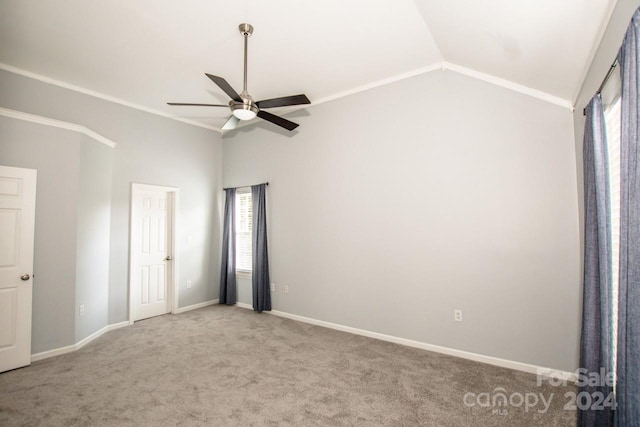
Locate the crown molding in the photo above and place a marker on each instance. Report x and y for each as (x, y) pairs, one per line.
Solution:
(20, 115)
(488, 78)
(109, 98)
(448, 66)
(544, 96)
(378, 83)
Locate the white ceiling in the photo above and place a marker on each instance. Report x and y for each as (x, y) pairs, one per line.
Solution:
(148, 52)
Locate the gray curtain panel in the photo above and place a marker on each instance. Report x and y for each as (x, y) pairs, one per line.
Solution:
(260, 270)
(597, 331)
(228, 292)
(628, 358)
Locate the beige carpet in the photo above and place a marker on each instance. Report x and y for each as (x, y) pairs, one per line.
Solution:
(227, 366)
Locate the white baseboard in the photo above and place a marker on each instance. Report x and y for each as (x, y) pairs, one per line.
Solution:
(243, 305)
(196, 306)
(495, 361)
(79, 344)
(51, 353)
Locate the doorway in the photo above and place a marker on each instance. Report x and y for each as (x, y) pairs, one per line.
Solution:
(17, 222)
(152, 264)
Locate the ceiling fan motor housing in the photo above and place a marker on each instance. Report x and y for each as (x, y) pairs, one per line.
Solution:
(245, 110)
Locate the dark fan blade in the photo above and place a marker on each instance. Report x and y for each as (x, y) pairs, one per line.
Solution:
(226, 87)
(277, 120)
(284, 101)
(231, 123)
(197, 105)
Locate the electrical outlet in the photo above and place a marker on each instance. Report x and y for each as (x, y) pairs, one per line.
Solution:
(286, 289)
(81, 309)
(273, 287)
(457, 315)
(188, 284)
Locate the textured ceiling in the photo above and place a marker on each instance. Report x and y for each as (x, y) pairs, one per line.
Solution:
(148, 52)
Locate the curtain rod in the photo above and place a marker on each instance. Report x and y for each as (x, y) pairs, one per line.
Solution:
(604, 82)
(244, 186)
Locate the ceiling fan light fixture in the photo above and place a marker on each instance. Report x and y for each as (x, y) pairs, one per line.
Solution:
(244, 111)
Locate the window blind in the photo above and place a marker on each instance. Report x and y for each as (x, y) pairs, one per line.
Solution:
(612, 121)
(244, 226)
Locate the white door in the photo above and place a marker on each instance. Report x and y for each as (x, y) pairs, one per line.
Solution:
(17, 219)
(151, 251)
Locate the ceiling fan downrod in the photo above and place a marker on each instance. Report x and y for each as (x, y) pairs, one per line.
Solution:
(247, 108)
(246, 30)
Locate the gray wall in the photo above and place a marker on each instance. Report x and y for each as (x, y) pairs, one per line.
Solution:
(151, 150)
(93, 237)
(164, 152)
(55, 153)
(387, 214)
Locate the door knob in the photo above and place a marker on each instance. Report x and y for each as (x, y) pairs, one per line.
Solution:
(168, 258)
(25, 277)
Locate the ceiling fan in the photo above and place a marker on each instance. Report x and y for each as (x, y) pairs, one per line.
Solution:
(242, 106)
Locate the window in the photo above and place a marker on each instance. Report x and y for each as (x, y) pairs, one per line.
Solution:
(612, 115)
(612, 120)
(244, 227)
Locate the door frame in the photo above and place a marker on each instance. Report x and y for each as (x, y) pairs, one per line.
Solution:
(19, 354)
(172, 206)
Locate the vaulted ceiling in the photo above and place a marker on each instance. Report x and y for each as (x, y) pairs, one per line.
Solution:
(148, 52)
